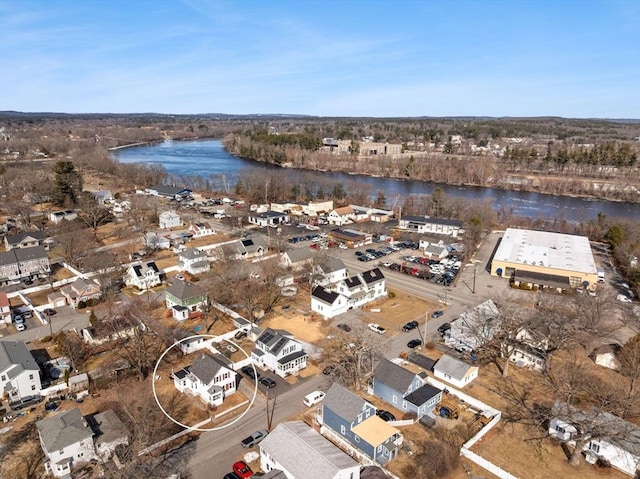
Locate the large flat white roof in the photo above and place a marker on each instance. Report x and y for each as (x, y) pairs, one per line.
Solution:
(551, 250)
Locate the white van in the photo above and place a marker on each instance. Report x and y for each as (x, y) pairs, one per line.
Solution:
(313, 398)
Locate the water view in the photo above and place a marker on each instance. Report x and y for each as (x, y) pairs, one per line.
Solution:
(208, 158)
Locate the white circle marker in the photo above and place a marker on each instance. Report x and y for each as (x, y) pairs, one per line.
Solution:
(193, 428)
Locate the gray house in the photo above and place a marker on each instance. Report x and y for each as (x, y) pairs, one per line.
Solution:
(347, 418)
(403, 389)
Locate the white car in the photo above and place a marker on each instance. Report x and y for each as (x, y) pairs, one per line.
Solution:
(623, 298)
(376, 328)
(20, 327)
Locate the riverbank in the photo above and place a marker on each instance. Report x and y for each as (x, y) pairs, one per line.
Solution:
(589, 188)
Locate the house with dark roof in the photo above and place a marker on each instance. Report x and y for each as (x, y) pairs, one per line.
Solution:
(299, 452)
(268, 218)
(184, 298)
(26, 239)
(426, 224)
(454, 371)
(351, 238)
(403, 389)
(278, 351)
(21, 264)
(351, 422)
(81, 290)
(352, 292)
(143, 275)
(19, 373)
(246, 248)
(67, 442)
(211, 378)
(193, 260)
(171, 192)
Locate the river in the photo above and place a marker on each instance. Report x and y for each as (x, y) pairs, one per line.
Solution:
(207, 158)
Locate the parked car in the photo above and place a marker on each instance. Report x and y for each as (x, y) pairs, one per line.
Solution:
(622, 298)
(242, 470)
(268, 383)
(376, 328)
(385, 415)
(231, 475)
(51, 406)
(50, 312)
(240, 334)
(444, 327)
(414, 343)
(329, 370)
(248, 370)
(437, 314)
(20, 327)
(409, 326)
(313, 398)
(254, 438)
(346, 328)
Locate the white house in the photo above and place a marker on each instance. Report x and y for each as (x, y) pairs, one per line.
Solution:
(464, 331)
(332, 270)
(268, 218)
(341, 216)
(425, 224)
(348, 293)
(454, 371)
(155, 241)
(143, 275)
(58, 217)
(211, 378)
(433, 250)
(201, 229)
(278, 351)
(19, 373)
(246, 248)
(67, 441)
(169, 219)
(616, 441)
(606, 356)
(296, 449)
(193, 261)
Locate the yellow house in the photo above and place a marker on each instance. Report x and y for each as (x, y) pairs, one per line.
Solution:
(546, 260)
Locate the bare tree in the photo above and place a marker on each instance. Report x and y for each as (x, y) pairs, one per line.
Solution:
(92, 213)
(71, 346)
(73, 242)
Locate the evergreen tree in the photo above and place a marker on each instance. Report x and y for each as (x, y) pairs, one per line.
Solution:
(67, 185)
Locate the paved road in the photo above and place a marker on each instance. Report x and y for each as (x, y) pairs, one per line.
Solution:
(212, 455)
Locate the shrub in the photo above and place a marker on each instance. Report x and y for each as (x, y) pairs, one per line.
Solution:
(392, 294)
(82, 305)
(45, 339)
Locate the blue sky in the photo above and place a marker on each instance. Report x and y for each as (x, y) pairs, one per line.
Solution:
(331, 58)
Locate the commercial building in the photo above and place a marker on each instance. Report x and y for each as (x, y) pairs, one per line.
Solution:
(545, 260)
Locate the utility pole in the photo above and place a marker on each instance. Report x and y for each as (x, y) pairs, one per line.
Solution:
(426, 320)
(474, 279)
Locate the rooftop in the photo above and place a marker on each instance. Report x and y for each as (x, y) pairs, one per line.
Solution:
(551, 250)
(375, 430)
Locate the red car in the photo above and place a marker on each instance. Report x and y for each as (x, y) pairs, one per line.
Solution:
(242, 470)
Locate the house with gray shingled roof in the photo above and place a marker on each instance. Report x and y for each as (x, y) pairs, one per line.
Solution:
(404, 390)
(193, 260)
(19, 373)
(278, 351)
(23, 263)
(210, 377)
(351, 422)
(297, 258)
(301, 453)
(67, 442)
(184, 299)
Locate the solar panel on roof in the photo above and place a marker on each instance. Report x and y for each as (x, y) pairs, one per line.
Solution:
(266, 337)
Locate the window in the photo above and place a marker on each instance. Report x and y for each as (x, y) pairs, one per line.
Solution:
(357, 438)
(343, 430)
(31, 377)
(595, 447)
(395, 399)
(404, 404)
(33, 388)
